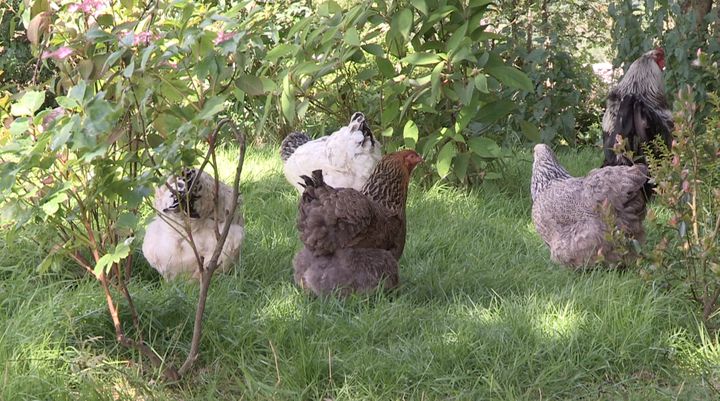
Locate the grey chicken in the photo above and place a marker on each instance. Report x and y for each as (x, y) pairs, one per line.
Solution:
(348, 235)
(574, 215)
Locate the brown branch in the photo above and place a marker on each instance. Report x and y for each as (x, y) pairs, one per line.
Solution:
(169, 372)
(207, 273)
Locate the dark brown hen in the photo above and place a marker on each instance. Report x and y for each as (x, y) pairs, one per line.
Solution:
(347, 271)
(336, 218)
(353, 239)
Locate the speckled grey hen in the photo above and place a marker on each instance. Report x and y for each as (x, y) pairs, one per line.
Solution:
(571, 214)
(349, 234)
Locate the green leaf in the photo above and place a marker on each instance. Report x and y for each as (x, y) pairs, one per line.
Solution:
(329, 8)
(165, 124)
(436, 82)
(146, 53)
(478, 3)
(410, 134)
(77, 92)
(422, 58)
(85, 68)
(122, 250)
(421, 6)
(51, 206)
(130, 69)
(512, 77)
(97, 35)
(481, 83)
(531, 131)
(28, 104)
(494, 111)
(387, 132)
(61, 136)
(402, 23)
(128, 4)
(67, 103)
(460, 165)
(211, 107)
(112, 59)
(385, 66)
(445, 157)
(351, 37)
(457, 38)
(287, 101)
(484, 147)
(374, 49)
(250, 84)
(127, 220)
(19, 126)
(279, 51)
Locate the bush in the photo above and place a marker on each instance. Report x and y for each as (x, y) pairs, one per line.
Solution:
(688, 186)
(17, 63)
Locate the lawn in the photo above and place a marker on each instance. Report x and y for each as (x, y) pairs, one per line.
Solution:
(481, 313)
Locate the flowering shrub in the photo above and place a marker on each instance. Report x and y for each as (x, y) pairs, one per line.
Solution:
(139, 88)
(688, 186)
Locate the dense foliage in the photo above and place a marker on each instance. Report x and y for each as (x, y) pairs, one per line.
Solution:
(685, 29)
(688, 176)
(102, 99)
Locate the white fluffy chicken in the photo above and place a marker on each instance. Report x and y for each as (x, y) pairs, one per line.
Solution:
(166, 245)
(346, 158)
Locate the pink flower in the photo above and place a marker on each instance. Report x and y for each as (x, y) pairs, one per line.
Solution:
(675, 161)
(141, 38)
(223, 37)
(89, 7)
(686, 186)
(60, 54)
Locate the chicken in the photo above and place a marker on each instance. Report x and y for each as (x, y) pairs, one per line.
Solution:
(166, 245)
(347, 271)
(353, 239)
(574, 215)
(637, 110)
(347, 157)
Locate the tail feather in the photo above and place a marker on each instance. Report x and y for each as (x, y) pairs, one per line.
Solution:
(311, 184)
(291, 142)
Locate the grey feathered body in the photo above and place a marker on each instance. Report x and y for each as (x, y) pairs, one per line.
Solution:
(574, 215)
(347, 271)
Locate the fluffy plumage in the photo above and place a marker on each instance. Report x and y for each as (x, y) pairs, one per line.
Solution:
(571, 213)
(637, 110)
(347, 157)
(347, 271)
(349, 234)
(166, 245)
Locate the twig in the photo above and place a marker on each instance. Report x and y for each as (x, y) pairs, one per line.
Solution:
(169, 372)
(206, 273)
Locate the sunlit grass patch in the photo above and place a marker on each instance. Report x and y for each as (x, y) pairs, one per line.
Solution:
(481, 313)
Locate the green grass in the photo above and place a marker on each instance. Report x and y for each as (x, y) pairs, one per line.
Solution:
(481, 314)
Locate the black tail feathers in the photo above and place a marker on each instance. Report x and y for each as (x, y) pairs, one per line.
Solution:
(310, 184)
